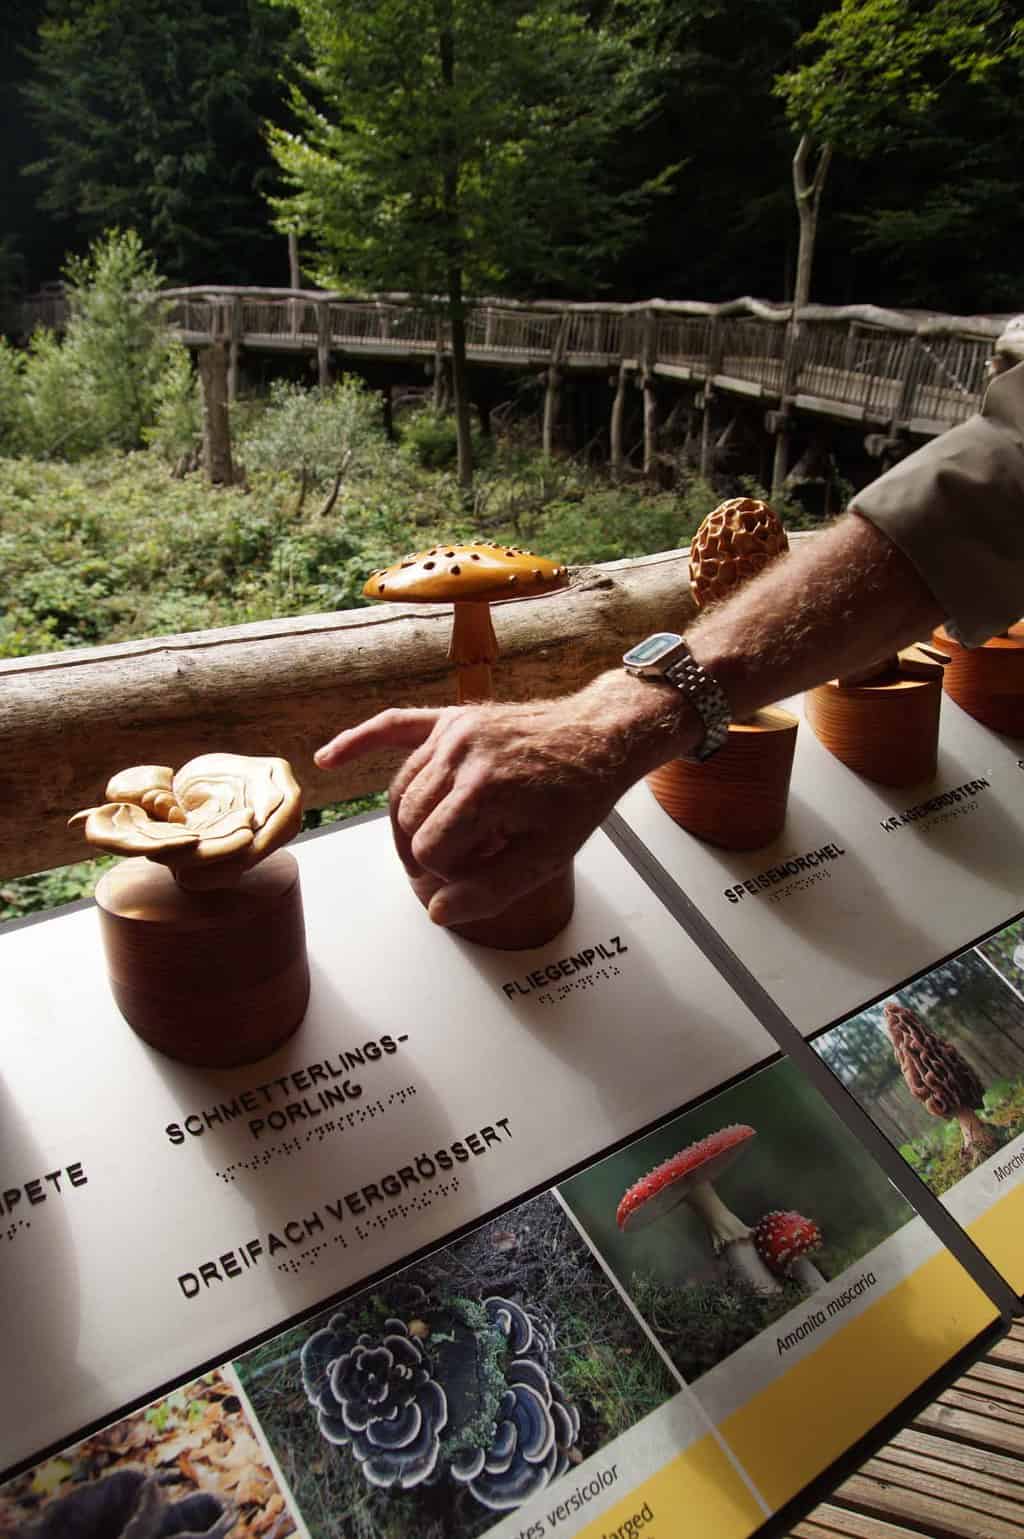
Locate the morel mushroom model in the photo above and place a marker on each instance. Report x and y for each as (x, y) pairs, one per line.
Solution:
(784, 1240)
(468, 1395)
(940, 1078)
(470, 578)
(738, 798)
(687, 1177)
(732, 545)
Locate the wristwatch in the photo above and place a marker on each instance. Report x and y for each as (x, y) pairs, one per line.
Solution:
(667, 656)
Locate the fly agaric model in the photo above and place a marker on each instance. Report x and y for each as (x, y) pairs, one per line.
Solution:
(470, 578)
(688, 1177)
(784, 1240)
(940, 1078)
(733, 544)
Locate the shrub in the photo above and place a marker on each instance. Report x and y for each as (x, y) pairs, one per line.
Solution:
(314, 431)
(12, 399)
(177, 407)
(430, 441)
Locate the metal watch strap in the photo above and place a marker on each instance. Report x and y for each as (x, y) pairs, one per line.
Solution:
(708, 699)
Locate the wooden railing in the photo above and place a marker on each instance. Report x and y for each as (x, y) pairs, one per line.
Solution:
(914, 371)
(284, 687)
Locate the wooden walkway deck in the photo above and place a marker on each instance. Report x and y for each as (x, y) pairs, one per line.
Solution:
(956, 1472)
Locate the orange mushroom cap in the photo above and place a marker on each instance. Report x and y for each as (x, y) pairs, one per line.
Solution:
(466, 573)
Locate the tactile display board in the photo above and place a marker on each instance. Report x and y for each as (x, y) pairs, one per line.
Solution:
(874, 896)
(172, 1238)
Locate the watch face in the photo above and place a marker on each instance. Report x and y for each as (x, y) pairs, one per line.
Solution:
(652, 650)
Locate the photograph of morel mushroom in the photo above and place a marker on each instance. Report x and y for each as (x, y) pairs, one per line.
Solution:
(726, 1218)
(443, 1398)
(190, 1464)
(939, 1064)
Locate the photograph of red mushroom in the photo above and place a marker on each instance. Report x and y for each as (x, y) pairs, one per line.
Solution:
(188, 1465)
(729, 1216)
(939, 1064)
(436, 1402)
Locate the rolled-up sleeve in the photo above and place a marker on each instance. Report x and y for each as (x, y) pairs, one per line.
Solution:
(956, 510)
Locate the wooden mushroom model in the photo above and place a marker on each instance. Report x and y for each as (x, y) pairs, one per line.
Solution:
(940, 1078)
(203, 929)
(688, 1177)
(987, 681)
(737, 799)
(471, 578)
(784, 1240)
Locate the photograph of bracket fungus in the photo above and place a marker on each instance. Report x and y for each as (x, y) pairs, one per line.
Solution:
(723, 1220)
(438, 1401)
(939, 1064)
(187, 1466)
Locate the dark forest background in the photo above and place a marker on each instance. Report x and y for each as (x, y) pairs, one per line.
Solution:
(134, 113)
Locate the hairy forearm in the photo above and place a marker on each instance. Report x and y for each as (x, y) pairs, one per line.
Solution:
(835, 605)
(841, 601)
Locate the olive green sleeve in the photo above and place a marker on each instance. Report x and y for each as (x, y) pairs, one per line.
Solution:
(956, 510)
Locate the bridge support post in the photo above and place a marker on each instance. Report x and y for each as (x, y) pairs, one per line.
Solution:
(650, 425)
(234, 349)
(705, 401)
(615, 430)
(323, 345)
(779, 423)
(213, 375)
(552, 401)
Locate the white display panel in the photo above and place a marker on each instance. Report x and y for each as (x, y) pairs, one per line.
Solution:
(867, 884)
(203, 1207)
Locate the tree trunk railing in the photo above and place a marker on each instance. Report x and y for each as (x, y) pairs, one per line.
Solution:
(71, 719)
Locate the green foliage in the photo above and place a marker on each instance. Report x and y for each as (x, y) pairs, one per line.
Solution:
(430, 440)
(440, 138)
(12, 399)
(152, 117)
(876, 61)
(315, 432)
(107, 380)
(177, 420)
(49, 889)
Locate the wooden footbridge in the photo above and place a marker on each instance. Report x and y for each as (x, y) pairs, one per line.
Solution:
(898, 374)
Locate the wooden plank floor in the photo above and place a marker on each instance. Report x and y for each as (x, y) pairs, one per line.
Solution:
(956, 1472)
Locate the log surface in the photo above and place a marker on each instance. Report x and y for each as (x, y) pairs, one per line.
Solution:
(71, 719)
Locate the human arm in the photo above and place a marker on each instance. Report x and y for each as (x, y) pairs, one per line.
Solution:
(493, 799)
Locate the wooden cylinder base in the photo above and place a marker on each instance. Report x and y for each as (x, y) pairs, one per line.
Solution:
(215, 979)
(886, 729)
(737, 799)
(530, 921)
(988, 681)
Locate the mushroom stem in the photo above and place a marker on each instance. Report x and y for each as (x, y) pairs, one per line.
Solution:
(731, 1236)
(979, 1140)
(473, 648)
(806, 1274)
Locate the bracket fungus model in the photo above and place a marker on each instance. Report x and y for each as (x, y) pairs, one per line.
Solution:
(688, 1177)
(987, 681)
(883, 723)
(471, 578)
(203, 928)
(464, 1393)
(940, 1078)
(738, 798)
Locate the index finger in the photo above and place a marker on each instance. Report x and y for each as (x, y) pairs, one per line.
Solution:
(388, 729)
